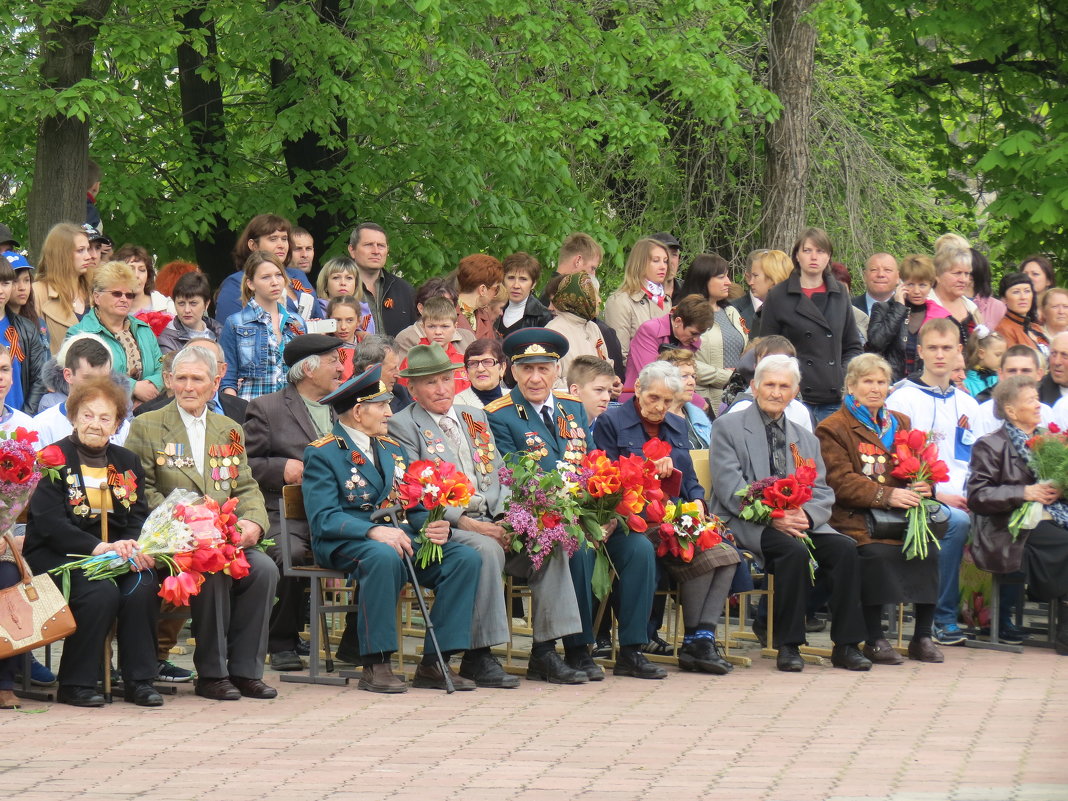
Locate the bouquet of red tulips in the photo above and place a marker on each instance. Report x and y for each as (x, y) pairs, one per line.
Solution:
(916, 460)
(770, 498)
(436, 487)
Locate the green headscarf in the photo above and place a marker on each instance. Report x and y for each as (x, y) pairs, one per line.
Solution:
(577, 295)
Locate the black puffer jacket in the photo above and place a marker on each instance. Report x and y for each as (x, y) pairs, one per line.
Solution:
(888, 334)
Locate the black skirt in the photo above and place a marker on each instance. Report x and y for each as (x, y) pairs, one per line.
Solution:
(887, 577)
(1045, 562)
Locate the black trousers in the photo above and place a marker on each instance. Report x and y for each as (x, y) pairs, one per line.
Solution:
(130, 603)
(287, 614)
(787, 558)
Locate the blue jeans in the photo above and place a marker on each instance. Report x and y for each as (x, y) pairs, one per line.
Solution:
(949, 558)
(821, 411)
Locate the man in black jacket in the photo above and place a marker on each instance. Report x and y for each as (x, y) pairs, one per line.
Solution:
(391, 298)
(1054, 385)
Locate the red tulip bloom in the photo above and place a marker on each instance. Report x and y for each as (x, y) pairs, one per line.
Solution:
(51, 456)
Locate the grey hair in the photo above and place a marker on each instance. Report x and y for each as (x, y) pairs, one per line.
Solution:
(663, 373)
(777, 363)
(1007, 391)
(299, 371)
(372, 350)
(196, 353)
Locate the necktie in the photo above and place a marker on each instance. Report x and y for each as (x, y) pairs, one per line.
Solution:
(459, 447)
(547, 416)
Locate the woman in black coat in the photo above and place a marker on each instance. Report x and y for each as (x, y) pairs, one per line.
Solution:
(67, 517)
(814, 311)
(1000, 482)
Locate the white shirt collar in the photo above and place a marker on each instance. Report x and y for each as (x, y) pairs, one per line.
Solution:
(361, 440)
(187, 418)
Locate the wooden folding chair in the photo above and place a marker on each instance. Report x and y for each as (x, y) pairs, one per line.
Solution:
(291, 507)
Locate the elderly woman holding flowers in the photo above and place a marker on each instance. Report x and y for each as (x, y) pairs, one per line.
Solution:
(857, 444)
(1018, 464)
(97, 505)
(705, 577)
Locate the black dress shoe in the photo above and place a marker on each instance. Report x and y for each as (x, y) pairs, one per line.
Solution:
(484, 670)
(430, 677)
(253, 688)
(286, 660)
(703, 655)
(789, 659)
(632, 662)
(551, 668)
(142, 693)
(580, 659)
(303, 647)
(848, 657)
(78, 696)
(217, 690)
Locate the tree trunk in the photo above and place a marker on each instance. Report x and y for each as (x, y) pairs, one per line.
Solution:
(309, 161)
(202, 115)
(62, 159)
(791, 54)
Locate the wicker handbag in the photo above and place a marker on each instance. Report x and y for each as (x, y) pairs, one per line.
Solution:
(33, 612)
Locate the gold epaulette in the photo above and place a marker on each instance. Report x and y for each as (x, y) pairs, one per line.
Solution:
(500, 403)
(567, 396)
(326, 439)
(390, 440)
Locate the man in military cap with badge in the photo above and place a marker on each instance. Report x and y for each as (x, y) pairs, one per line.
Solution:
(433, 428)
(185, 445)
(554, 427)
(278, 427)
(350, 477)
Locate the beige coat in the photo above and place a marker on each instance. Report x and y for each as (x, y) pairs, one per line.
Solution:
(712, 376)
(50, 309)
(583, 338)
(625, 312)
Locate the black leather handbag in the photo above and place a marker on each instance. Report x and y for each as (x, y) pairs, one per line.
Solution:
(890, 524)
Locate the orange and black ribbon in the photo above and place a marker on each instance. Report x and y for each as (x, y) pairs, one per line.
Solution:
(357, 458)
(235, 443)
(799, 460)
(17, 354)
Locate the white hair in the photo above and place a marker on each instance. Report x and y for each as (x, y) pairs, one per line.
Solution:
(777, 363)
(661, 372)
(196, 353)
(303, 368)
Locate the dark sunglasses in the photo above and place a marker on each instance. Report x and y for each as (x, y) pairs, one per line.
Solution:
(118, 294)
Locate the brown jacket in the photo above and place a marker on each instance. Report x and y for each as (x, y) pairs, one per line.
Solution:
(842, 440)
(56, 317)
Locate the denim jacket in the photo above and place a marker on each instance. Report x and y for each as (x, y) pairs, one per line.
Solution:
(254, 367)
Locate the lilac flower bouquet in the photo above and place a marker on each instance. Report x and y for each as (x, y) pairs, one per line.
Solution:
(543, 512)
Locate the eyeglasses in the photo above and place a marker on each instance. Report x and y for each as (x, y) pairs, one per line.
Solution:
(483, 363)
(118, 294)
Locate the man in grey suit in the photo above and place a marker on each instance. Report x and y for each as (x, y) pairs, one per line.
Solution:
(435, 429)
(761, 442)
(278, 427)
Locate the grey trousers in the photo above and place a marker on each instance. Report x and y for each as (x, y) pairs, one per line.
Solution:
(489, 623)
(554, 605)
(230, 620)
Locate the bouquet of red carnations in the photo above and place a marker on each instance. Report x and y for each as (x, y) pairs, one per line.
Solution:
(770, 498)
(916, 460)
(188, 536)
(436, 487)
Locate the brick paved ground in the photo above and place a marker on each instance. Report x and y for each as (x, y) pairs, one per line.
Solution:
(984, 726)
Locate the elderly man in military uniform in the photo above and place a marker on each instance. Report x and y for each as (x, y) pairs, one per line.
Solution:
(351, 479)
(278, 427)
(434, 429)
(184, 445)
(554, 425)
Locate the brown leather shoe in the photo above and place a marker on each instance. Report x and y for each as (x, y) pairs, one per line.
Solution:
(429, 677)
(381, 679)
(253, 688)
(882, 653)
(217, 690)
(923, 649)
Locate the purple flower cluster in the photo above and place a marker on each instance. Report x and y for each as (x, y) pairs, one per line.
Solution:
(538, 540)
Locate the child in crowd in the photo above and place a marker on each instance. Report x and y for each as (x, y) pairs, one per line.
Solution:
(22, 302)
(415, 334)
(345, 310)
(982, 358)
(28, 353)
(591, 380)
(192, 294)
(439, 324)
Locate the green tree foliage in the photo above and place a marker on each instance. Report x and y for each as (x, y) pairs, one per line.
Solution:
(989, 81)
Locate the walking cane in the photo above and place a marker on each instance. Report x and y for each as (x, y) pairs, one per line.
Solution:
(392, 515)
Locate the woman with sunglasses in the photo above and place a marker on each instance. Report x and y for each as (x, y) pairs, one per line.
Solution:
(134, 349)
